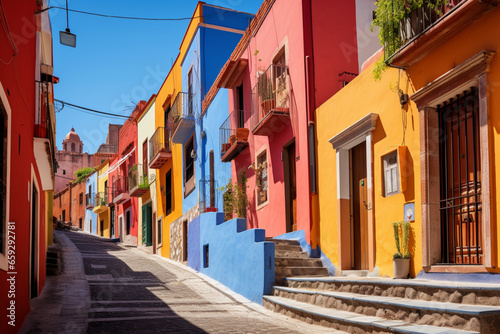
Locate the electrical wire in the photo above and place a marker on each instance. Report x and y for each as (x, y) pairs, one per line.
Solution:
(90, 110)
(121, 17)
(5, 27)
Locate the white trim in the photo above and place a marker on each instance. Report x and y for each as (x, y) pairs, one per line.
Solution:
(369, 160)
(8, 110)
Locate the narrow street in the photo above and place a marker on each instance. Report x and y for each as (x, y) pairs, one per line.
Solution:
(125, 290)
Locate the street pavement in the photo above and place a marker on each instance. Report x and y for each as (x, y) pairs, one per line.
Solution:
(106, 287)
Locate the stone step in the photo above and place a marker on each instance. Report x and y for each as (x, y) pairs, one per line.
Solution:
(297, 262)
(484, 319)
(349, 321)
(283, 241)
(290, 254)
(301, 271)
(439, 291)
(287, 247)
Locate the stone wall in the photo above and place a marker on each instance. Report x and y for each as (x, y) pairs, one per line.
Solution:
(177, 236)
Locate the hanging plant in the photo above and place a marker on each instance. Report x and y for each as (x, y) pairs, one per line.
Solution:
(388, 17)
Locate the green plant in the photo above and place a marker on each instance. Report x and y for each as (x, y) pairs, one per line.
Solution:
(144, 184)
(402, 229)
(388, 15)
(235, 198)
(81, 174)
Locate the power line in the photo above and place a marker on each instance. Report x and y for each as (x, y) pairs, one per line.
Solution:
(121, 17)
(91, 110)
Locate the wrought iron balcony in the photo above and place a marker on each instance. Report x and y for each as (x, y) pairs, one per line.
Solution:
(159, 148)
(100, 202)
(120, 191)
(233, 135)
(138, 180)
(271, 101)
(89, 201)
(413, 24)
(182, 117)
(208, 196)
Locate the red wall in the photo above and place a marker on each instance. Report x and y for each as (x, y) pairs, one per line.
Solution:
(18, 81)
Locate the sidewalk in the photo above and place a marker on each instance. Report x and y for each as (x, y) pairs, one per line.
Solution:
(63, 305)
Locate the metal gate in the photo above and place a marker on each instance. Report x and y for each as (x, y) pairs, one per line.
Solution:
(460, 178)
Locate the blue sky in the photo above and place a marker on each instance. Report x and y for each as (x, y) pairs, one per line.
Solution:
(116, 62)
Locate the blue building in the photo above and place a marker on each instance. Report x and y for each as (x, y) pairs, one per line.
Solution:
(208, 51)
(90, 216)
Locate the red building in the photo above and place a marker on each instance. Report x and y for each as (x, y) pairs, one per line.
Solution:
(27, 124)
(123, 207)
(69, 204)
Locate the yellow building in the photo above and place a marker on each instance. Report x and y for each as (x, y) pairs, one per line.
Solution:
(101, 201)
(430, 160)
(167, 158)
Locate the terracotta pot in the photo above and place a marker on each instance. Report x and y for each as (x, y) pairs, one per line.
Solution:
(242, 134)
(267, 106)
(401, 268)
(232, 139)
(225, 147)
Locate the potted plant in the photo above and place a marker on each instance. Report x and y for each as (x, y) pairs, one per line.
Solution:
(228, 198)
(401, 259)
(235, 199)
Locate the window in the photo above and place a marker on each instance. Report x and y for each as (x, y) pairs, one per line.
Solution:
(189, 181)
(64, 171)
(80, 223)
(72, 147)
(64, 215)
(391, 173)
(261, 178)
(81, 198)
(240, 107)
(128, 222)
(168, 193)
(160, 232)
(190, 92)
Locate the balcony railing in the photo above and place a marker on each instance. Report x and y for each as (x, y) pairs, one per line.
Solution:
(233, 134)
(120, 190)
(89, 201)
(138, 180)
(100, 202)
(208, 196)
(159, 148)
(182, 117)
(415, 22)
(271, 101)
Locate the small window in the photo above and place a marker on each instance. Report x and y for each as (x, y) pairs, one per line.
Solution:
(64, 215)
(81, 198)
(64, 171)
(168, 193)
(261, 179)
(80, 223)
(205, 256)
(160, 232)
(72, 147)
(189, 180)
(391, 174)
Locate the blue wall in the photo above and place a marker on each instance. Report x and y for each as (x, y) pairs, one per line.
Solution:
(238, 258)
(225, 18)
(208, 52)
(89, 214)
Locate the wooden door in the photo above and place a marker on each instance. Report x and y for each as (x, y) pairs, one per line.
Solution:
(289, 166)
(359, 212)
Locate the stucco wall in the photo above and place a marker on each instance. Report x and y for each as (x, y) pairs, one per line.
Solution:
(238, 258)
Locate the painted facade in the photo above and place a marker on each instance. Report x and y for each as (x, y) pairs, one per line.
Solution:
(209, 49)
(100, 207)
(69, 205)
(125, 207)
(447, 235)
(147, 209)
(28, 145)
(90, 216)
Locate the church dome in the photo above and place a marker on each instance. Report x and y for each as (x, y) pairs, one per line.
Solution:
(72, 136)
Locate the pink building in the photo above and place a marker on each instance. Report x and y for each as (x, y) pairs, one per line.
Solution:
(295, 55)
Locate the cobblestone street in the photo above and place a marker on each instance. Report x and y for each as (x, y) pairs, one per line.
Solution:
(129, 291)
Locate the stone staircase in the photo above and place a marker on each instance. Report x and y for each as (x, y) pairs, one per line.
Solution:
(382, 305)
(292, 261)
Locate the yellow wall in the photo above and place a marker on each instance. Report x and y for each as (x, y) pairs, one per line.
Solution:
(169, 89)
(481, 35)
(362, 96)
(101, 189)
